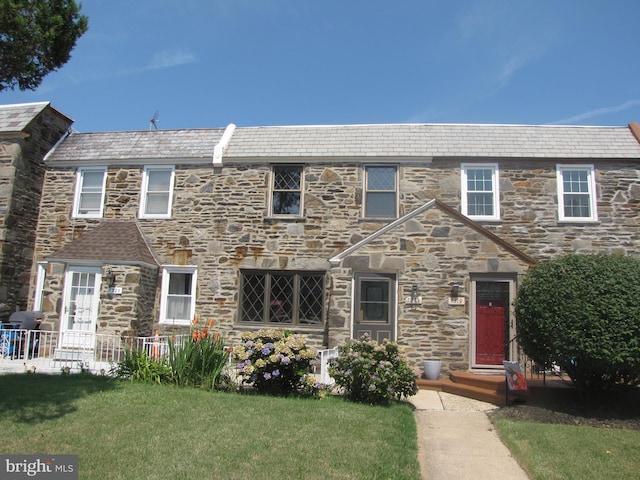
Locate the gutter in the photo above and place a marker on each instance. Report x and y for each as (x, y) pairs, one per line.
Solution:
(222, 145)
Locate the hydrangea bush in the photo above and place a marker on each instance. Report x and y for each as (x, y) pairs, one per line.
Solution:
(372, 372)
(276, 362)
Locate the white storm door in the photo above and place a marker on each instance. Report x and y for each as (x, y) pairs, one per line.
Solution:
(81, 302)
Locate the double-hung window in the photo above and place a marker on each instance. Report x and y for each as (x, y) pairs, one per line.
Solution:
(293, 298)
(157, 192)
(178, 300)
(381, 192)
(480, 195)
(286, 190)
(90, 191)
(576, 193)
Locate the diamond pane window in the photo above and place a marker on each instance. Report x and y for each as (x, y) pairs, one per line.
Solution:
(380, 192)
(480, 191)
(311, 297)
(253, 298)
(282, 297)
(576, 192)
(286, 197)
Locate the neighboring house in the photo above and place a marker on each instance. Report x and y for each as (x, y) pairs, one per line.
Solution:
(417, 233)
(27, 133)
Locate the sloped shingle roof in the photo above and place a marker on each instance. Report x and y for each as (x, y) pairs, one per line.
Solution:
(16, 118)
(515, 141)
(137, 145)
(109, 242)
(355, 141)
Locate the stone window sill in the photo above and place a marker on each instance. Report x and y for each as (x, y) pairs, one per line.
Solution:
(285, 219)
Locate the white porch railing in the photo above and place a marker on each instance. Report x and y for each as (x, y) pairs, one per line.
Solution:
(325, 355)
(53, 352)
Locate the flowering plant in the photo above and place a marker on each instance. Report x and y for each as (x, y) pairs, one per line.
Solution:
(372, 372)
(201, 360)
(276, 362)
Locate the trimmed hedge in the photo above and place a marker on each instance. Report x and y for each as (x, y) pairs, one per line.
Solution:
(582, 313)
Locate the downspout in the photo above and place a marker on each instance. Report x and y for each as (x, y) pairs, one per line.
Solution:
(222, 145)
(62, 139)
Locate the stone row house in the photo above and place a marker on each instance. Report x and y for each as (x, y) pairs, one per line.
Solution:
(27, 133)
(417, 233)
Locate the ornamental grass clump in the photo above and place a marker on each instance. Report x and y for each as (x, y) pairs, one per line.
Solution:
(276, 362)
(372, 372)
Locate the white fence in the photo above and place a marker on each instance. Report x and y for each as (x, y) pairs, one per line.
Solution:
(49, 352)
(53, 352)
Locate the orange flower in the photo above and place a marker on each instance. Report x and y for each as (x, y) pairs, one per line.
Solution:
(204, 333)
(211, 323)
(195, 320)
(195, 336)
(216, 336)
(229, 350)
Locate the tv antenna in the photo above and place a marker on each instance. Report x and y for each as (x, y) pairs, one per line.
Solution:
(153, 123)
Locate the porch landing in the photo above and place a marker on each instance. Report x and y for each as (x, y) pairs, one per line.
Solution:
(491, 388)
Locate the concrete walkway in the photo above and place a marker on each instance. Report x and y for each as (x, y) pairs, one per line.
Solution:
(457, 440)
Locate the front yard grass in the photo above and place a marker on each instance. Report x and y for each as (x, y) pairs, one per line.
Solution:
(554, 452)
(122, 430)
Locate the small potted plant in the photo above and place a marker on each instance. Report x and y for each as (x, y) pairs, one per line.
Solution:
(432, 369)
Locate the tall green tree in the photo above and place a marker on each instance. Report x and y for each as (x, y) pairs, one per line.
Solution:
(36, 37)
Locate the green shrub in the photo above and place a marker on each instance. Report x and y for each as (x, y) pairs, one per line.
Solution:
(199, 361)
(372, 372)
(139, 366)
(276, 362)
(582, 313)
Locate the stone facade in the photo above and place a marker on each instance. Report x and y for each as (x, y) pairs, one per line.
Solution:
(220, 224)
(21, 176)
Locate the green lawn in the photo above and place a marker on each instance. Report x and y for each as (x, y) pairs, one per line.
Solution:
(131, 431)
(554, 452)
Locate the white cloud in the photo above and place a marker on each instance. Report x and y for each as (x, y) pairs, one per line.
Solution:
(511, 67)
(171, 58)
(599, 111)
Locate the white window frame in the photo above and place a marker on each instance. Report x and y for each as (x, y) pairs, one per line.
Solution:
(591, 182)
(495, 180)
(272, 190)
(145, 187)
(365, 208)
(41, 275)
(167, 270)
(80, 190)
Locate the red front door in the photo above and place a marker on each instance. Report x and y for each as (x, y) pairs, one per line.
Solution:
(492, 322)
